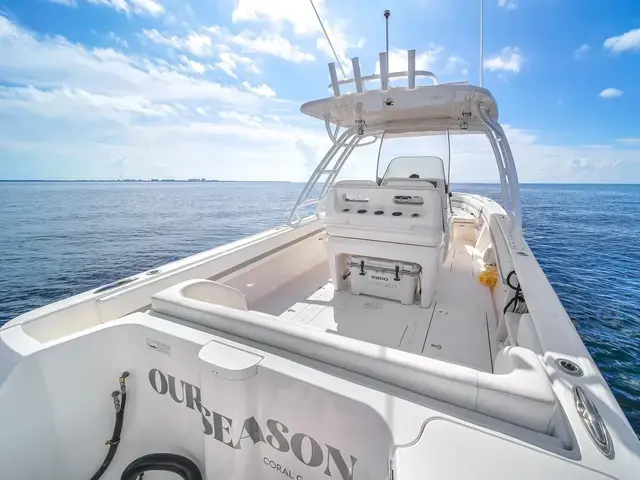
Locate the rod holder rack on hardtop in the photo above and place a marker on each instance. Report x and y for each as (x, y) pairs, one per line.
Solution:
(411, 73)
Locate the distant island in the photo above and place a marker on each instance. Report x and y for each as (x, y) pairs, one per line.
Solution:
(126, 180)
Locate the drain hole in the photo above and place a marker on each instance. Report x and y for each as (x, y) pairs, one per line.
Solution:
(345, 210)
(362, 211)
(378, 212)
(567, 366)
(397, 214)
(415, 215)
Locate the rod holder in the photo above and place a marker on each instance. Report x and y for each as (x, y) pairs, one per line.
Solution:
(334, 79)
(384, 71)
(357, 76)
(411, 68)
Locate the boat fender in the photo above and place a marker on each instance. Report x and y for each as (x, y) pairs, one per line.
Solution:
(117, 428)
(166, 462)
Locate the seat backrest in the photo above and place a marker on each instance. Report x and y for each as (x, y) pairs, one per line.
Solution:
(414, 183)
(356, 183)
(372, 212)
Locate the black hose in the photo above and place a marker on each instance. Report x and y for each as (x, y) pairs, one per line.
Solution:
(117, 429)
(517, 297)
(166, 462)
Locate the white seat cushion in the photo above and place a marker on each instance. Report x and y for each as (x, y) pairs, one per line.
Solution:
(213, 292)
(519, 392)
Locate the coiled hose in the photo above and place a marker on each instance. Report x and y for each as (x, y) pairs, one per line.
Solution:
(117, 428)
(518, 297)
(166, 462)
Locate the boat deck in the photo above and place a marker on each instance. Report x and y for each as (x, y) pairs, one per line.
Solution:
(457, 328)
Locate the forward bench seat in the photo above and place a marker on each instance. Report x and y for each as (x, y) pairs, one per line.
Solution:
(519, 392)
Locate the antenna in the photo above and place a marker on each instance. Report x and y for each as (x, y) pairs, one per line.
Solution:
(326, 35)
(387, 14)
(481, 42)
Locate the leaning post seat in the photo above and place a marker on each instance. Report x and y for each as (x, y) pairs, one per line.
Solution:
(400, 221)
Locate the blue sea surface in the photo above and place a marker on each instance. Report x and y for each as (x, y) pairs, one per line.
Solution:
(60, 239)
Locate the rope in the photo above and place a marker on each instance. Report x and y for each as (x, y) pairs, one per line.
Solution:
(328, 39)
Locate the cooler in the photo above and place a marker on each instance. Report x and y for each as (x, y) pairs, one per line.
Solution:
(384, 278)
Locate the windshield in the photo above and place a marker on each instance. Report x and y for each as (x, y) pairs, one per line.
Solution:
(415, 167)
(424, 155)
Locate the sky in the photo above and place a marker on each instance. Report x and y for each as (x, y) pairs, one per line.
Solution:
(107, 89)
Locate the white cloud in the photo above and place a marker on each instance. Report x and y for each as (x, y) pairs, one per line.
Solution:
(300, 15)
(117, 40)
(151, 8)
(581, 51)
(54, 62)
(213, 40)
(251, 121)
(510, 59)
(79, 104)
(611, 93)
(508, 4)
(629, 141)
(456, 65)
(197, 44)
(473, 161)
(160, 38)
(169, 120)
(192, 65)
(118, 5)
(623, 43)
(270, 43)
(581, 165)
(230, 62)
(262, 89)
(157, 115)
(297, 13)
(68, 3)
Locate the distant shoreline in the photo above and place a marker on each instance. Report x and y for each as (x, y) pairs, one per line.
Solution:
(199, 181)
(163, 180)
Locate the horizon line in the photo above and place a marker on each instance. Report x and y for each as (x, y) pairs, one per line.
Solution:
(171, 180)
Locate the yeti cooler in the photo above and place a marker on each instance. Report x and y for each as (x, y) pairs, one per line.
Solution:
(383, 278)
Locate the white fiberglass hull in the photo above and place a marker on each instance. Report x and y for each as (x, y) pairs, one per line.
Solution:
(267, 371)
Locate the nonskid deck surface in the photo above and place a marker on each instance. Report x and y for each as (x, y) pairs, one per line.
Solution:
(457, 328)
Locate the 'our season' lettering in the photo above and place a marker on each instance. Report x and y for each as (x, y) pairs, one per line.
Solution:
(304, 447)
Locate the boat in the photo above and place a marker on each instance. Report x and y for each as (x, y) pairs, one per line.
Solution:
(399, 331)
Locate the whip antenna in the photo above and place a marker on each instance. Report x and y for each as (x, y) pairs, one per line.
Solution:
(326, 35)
(387, 14)
(481, 42)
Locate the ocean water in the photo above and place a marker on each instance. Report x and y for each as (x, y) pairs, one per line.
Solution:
(59, 239)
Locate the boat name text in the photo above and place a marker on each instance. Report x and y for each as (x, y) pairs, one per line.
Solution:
(304, 447)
